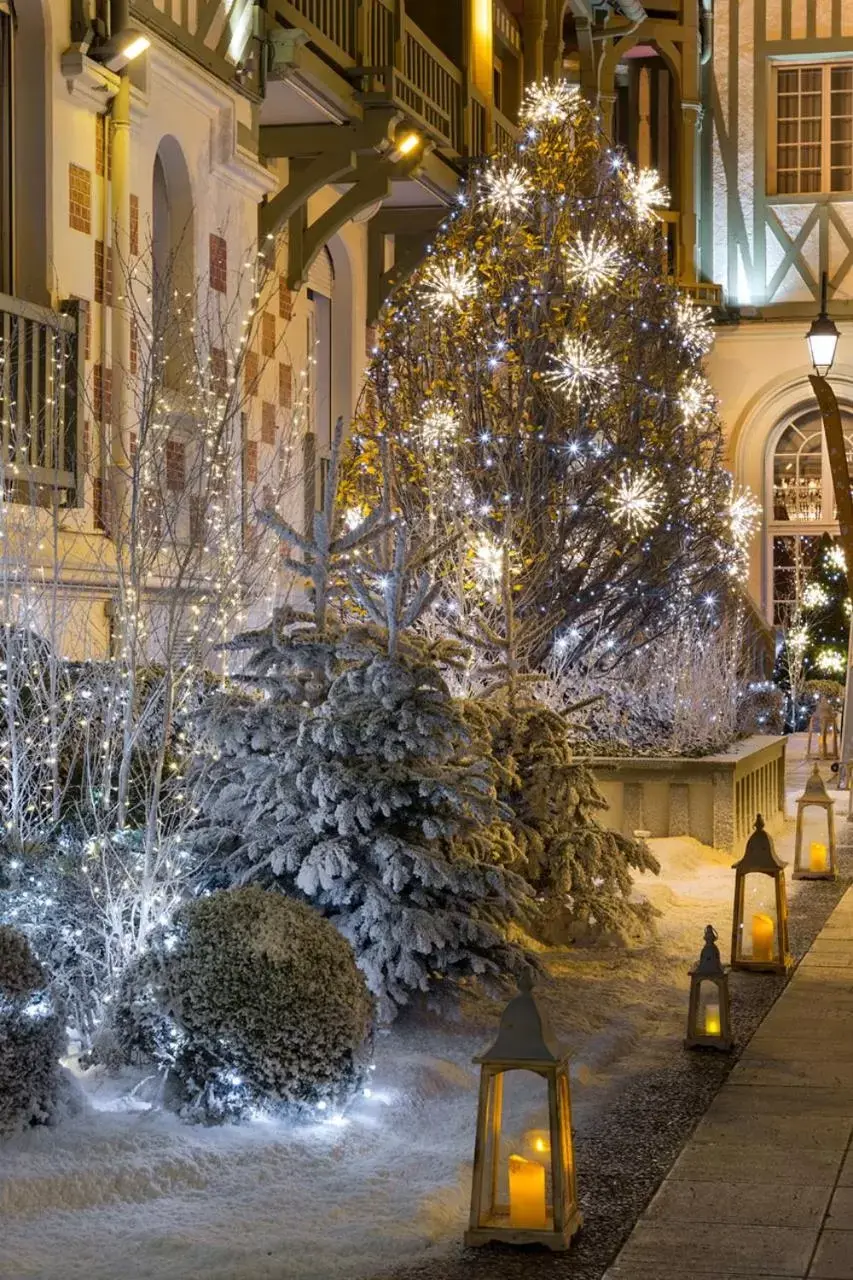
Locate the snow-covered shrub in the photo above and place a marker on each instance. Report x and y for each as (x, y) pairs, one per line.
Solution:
(762, 708)
(31, 1037)
(249, 1001)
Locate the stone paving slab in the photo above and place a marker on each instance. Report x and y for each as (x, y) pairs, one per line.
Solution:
(764, 1187)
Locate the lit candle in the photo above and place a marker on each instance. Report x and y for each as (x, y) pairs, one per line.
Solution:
(526, 1193)
(762, 937)
(818, 856)
(712, 1019)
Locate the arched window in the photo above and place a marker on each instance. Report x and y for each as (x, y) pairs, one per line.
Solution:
(800, 504)
(173, 252)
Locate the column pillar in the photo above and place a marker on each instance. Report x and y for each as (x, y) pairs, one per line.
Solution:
(690, 116)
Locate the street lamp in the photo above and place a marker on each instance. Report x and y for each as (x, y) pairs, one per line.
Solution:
(823, 336)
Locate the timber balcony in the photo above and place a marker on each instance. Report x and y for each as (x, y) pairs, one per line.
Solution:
(378, 47)
(41, 401)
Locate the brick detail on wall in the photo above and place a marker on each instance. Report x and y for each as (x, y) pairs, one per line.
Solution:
(99, 508)
(268, 422)
(102, 393)
(99, 146)
(251, 372)
(134, 347)
(219, 371)
(134, 225)
(285, 299)
(79, 199)
(218, 263)
(251, 462)
(285, 386)
(268, 334)
(103, 273)
(176, 471)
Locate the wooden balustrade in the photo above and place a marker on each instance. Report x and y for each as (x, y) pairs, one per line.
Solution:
(41, 392)
(506, 26)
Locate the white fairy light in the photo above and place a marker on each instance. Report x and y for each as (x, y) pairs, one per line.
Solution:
(815, 596)
(438, 425)
(694, 327)
(695, 399)
(798, 639)
(635, 500)
(508, 191)
(448, 287)
(836, 559)
(831, 661)
(744, 517)
(353, 517)
(595, 262)
(549, 102)
(487, 561)
(647, 192)
(580, 363)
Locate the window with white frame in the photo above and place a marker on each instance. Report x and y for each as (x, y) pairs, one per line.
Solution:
(813, 150)
(800, 505)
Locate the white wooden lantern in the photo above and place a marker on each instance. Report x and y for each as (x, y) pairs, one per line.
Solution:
(820, 861)
(709, 1013)
(760, 915)
(524, 1198)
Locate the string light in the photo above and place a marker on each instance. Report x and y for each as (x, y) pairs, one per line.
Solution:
(647, 192)
(580, 363)
(448, 287)
(508, 191)
(635, 501)
(594, 262)
(548, 102)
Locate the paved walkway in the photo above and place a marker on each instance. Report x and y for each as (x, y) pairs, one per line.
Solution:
(765, 1185)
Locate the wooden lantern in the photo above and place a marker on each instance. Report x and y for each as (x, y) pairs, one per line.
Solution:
(709, 1023)
(516, 1200)
(821, 860)
(760, 917)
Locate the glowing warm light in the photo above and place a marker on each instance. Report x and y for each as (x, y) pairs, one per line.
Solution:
(595, 262)
(581, 362)
(762, 937)
(526, 1193)
(487, 560)
(406, 145)
(635, 501)
(818, 857)
(835, 559)
(815, 596)
(447, 288)
(694, 327)
(438, 426)
(508, 190)
(138, 44)
(647, 192)
(548, 102)
(831, 661)
(695, 399)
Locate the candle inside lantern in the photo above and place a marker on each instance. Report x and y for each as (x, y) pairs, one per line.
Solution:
(526, 1193)
(712, 1019)
(762, 937)
(818, 856)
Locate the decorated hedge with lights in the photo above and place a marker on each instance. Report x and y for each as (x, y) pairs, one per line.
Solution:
(32, 1037)
(249, 1001)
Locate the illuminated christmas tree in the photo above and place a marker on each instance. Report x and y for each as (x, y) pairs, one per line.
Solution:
(539, 362)
(825, 606)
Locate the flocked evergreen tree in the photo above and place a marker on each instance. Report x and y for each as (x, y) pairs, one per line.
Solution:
(540, 361)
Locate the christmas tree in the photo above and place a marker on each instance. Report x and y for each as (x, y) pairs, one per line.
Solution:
(825, 606)
(539, 361)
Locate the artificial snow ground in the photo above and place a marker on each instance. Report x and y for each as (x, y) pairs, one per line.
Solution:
(122, 1192)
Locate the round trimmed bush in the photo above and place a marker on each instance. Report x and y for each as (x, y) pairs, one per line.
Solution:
(250, 1001)
(32, 1037)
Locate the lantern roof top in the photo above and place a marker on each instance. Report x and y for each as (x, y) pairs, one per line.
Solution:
(710, 965)
(524, 1034)
(760, 852)
(815, 791)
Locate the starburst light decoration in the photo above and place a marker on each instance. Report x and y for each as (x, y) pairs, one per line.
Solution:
(815, 596)
(448, 287)
(353, 517)
(437, 426)
(635, 501)
(744, 518)
(647, 192)
(836, 559)
(580, 364)
(595, 263)
(831, 661)
(694, 327)
(487, 561)
(508, 190)
(695, 398)
(548, 102)
(799, 639)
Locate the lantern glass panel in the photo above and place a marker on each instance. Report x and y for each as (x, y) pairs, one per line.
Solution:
(759, 924)
(517, 1181)
(814, 842)
(708, 1012)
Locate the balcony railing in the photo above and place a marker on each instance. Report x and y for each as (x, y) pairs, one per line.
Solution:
(41, 389)
(702, 292)
(378, 45)
(506, 26)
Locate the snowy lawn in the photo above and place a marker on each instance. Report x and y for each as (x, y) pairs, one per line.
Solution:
(127, 1192)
